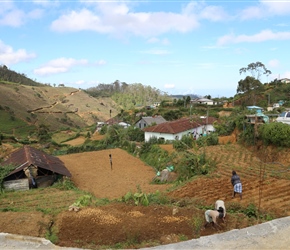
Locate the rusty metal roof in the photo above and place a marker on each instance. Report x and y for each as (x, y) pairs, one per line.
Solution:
(27, 156)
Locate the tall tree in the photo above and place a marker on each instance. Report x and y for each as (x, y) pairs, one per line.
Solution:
(256, 69)
(251, 83)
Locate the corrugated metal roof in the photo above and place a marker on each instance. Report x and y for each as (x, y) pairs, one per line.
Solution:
(27, 156)
(156, 119)
(183, 124)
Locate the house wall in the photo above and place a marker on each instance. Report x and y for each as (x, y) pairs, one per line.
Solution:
(141, 124)
(17, 185)
(197, 132)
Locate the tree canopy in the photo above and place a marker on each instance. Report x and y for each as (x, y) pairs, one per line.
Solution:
(256, 69)
(249, 83)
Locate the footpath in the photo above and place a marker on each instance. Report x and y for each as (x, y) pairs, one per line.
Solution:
(274, 234)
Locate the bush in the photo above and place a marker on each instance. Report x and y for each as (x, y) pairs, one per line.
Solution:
(185, 143)
(153, 155)
(275, 133)
(191, 164)
(211, 139)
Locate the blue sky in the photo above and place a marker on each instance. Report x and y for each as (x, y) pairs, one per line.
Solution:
(179, 47)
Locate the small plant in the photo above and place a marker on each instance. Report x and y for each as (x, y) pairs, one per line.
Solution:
(51, 234)
(138, 198)
(251, 211)
(197, 222)
(83, 201)
(65, 184)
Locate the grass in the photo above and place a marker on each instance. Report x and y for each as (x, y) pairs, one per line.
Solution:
(197, 223)
(61, 136)
(48, 201)
(13, 126)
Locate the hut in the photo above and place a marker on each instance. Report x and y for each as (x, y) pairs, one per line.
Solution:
(32, 168)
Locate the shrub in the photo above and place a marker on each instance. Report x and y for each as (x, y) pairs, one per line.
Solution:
(275, 133)
(191, 164)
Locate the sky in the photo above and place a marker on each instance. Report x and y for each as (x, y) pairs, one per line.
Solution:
(179, 47)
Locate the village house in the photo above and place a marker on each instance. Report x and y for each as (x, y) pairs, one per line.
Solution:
(149, 120)
(285, 80)
(33, 168)
(117, 121)
(202, 101)
(174, 130)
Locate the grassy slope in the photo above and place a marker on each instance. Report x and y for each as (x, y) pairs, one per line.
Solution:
(55, 107)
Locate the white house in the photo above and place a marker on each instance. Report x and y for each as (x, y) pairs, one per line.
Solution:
(174, 130)
(202, 101)
(149, 120)
(285, 80)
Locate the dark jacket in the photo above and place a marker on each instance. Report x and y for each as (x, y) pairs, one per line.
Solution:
(235, 179)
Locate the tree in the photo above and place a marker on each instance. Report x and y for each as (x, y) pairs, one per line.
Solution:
(256, 69)
(248, 84)
(251, 83)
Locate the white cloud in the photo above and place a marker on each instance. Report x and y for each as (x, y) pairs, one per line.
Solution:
(59, 65)
(277, 7)
(274, 63)
(286, 75)
(163, 41)
(265, 35)
(77, 21)
(156, 52)
(12, 16)
(118, 20)
(8, 56)
(252, 12)
(169, 86)
(265, 9)
(213, 13)
(101, 62)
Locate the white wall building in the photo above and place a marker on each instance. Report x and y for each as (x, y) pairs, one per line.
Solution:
(174, 130)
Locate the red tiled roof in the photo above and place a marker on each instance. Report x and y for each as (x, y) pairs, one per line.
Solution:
(183, 124)
(27, 156)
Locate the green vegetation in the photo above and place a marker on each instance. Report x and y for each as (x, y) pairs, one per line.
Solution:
(7, 75)
(276, 134)
(11, 125)
(3, 173)
(143, 199)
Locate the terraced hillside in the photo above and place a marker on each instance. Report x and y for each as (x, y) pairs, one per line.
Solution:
(265, 185)
(125, 225)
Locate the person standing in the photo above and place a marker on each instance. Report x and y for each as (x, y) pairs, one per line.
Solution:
(237, 184)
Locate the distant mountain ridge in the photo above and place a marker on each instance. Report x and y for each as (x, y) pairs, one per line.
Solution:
(192, 96)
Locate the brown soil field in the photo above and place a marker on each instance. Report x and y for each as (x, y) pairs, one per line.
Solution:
(124, 225)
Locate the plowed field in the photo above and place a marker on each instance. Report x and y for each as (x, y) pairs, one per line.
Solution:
(128, 226)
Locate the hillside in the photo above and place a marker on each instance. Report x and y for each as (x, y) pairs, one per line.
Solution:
(54, 106)
(125, 225)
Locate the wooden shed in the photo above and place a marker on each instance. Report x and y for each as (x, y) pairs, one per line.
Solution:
(33, 168)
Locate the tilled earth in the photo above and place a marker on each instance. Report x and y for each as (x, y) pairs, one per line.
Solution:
(130, 226)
